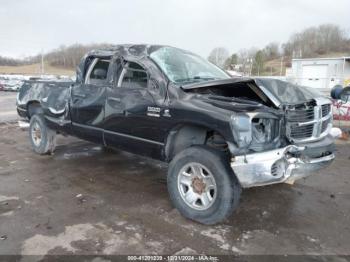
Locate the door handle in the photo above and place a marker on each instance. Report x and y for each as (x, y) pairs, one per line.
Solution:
(115, 99)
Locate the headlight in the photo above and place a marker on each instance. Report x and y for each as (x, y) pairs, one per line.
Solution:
(254, 129)
(263, 130)
(241, 128)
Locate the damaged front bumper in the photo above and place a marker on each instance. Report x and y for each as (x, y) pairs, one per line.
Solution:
(283, 165)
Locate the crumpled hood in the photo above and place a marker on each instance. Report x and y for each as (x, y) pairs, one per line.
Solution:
(287, 93)
(279, 92)
(233, 104)
(230, 103)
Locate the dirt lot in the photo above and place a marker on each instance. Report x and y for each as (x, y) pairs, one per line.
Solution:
(83, 200)
(8, 106)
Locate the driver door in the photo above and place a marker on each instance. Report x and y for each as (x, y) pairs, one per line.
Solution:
(132, 116)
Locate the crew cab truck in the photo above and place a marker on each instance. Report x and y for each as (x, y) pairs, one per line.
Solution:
(219, 134)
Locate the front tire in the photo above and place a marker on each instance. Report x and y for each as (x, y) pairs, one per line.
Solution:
(202, 185)
(43, 139)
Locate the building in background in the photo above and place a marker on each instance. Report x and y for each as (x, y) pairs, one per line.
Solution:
(320, 73)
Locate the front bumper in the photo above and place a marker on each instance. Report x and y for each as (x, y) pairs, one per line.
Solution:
(280, 165)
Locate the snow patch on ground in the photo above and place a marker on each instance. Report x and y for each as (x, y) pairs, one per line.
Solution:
(110, 241)
(186, 251)
(41, 245)
(7, 214)
(6, 198)
(217, 233)
(213, 234)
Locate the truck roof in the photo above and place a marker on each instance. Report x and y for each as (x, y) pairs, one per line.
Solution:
(127, 49)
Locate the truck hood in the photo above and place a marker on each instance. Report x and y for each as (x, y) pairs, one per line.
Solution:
(287, 93)
(232, 93)
(232, 104)
(279, 92)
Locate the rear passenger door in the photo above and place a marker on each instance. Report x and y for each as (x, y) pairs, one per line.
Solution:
(88, 101)
(129, 106)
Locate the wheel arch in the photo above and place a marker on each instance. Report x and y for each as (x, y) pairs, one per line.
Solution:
(33, 107)
(186, 135)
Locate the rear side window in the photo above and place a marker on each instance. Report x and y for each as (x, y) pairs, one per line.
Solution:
(133, 76)
(97, 73)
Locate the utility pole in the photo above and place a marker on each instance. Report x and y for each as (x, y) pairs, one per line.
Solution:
(281, 66)
(42, 62)
(251, 66)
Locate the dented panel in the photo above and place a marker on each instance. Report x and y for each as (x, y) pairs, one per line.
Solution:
(285, 164)
(52, 96)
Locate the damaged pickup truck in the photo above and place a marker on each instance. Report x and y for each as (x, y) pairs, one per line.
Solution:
(219, 134)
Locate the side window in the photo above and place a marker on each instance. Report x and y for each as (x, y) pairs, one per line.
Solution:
(133, 76)
(97, 72)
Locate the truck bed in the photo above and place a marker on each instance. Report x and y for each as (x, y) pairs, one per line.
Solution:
(51, 95)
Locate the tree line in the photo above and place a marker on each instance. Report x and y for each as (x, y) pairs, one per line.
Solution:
(64, 56)
(7, 61)
(311, 42)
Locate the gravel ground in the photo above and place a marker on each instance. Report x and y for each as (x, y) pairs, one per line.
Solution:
(8, 106)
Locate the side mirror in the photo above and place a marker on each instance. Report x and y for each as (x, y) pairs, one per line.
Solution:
(100, 73)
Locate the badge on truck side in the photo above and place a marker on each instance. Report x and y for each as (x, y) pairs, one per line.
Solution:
(153, 111)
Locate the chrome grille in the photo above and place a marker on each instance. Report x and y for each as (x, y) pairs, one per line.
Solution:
(301, 115)
(309, 121)
(326, 109)
(299, 132)
(325, 125)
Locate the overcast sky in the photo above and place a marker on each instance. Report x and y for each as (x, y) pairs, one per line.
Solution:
(28, 26)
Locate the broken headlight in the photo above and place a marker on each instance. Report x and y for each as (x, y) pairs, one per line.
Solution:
(263, 130)
(241, 128)
(252, 130)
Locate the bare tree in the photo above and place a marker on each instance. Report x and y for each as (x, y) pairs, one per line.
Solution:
(258, 64)
(317, 41)
(246, 59)
(6, 61)
(218, 56)
(68, 56)
(271, 51)
(231, 61)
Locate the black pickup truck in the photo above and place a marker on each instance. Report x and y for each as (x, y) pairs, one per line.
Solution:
(219, 134)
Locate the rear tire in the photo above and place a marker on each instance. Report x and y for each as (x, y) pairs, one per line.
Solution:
(43, 139)
(202, 185)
